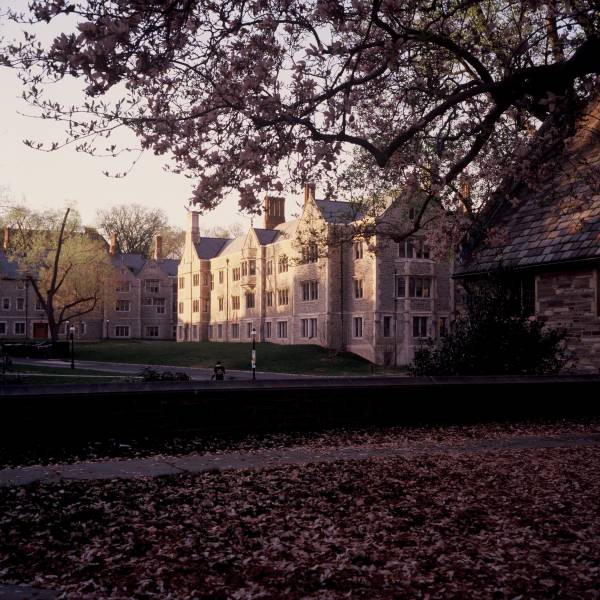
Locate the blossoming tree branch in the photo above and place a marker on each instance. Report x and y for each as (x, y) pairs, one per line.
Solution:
(257, 95)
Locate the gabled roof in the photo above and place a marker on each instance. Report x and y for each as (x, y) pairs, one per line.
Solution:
(266, 236)
(337, 212)
(8, 268)
(169, 266)
(134, 262)
(559, 223)
(234, 245)
(209, 247)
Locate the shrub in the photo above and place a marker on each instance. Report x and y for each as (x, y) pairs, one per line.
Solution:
(492, 337)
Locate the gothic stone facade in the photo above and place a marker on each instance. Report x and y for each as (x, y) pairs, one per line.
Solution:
(378, 299)
(551, 243)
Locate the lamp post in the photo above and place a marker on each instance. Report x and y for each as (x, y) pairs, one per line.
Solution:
(253, 354)
(72, 336)
(107, 329)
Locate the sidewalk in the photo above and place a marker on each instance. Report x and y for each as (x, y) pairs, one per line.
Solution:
(269, 459)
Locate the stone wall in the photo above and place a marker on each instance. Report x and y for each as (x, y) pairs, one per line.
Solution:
(569, 299)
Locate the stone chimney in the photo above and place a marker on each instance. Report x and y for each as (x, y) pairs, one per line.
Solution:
(274, 211)
(158, 248)
(6, 241)
(112, 248)
(309, 192)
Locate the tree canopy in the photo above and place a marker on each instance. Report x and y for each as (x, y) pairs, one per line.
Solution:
(136, 228)
(255, 95)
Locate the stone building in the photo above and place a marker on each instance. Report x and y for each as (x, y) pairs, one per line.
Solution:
(139, 301)
(547, 242)
(308, 281)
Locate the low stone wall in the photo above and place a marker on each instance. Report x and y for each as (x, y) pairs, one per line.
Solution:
(87, 412)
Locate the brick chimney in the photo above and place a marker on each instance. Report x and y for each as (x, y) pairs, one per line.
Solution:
(6, 241)
(158, 248)
(194, 225)
(112, 248)
(309, 192)
(274, 211)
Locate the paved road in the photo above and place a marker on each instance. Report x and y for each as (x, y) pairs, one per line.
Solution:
(272, 458)
(197, 374)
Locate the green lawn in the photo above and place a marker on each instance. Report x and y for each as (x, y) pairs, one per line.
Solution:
(33, 375)
(270, 357)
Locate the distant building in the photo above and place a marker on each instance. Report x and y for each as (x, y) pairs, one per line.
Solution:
(547, 241)
(139, 300)
(374, 297)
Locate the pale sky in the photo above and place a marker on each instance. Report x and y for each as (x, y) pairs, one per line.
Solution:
(49, 180)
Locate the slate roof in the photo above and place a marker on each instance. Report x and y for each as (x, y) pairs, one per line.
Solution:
(169, 266)
(337, 212)
(8, 268)
(209, 247)
(266, 236)
(559, 223)
(134, 262)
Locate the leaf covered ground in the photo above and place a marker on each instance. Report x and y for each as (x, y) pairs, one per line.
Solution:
(504, 524)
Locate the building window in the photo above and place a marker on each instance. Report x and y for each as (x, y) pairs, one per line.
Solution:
(221, 276)
(310, 253)
(419, 327)
(268, 331)
(235, 274)
(205, 304)
(249, 300)
(82, 327)
(282, 329)
(310, 290)
(282, 264)
(122, 331)
(195, 332)
(181, 283)
(269, 267)
(146, 301)
(123, 287)
(400, 286)
(40, 307)
(152, 286)
(308, 328)
(443, 326)
(19, 328)
(219, 331)
(357, 327)
(358, 250)
(121, 306)
(5, 303)
(20, 284)
(252, 267)
(180, 308)
(161, 305)
(212, 281)
(195, 306)
(2, 328)
(20, 303)
(204, 278)
(387, 326)
(413, 249)
(283, 297)
(244, 269)
(358, 288)
(235, 331)
(235, 302)
(419, 287)
(152, 331)
(210, 331)
(249, 330)
(221, 301)
(270, 298)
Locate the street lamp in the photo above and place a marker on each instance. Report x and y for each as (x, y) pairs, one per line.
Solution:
(107, 329)
(72, 336)
(253, 354)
